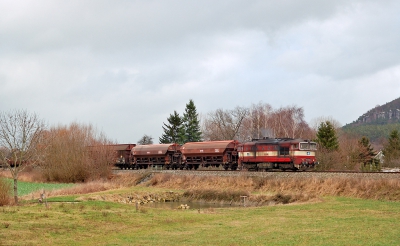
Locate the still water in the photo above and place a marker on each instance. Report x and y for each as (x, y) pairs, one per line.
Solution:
(192, 205)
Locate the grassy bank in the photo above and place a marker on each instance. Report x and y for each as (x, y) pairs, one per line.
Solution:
(333, 211)
(335, 221)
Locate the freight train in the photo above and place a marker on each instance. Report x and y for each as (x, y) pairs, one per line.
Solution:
(259, 155)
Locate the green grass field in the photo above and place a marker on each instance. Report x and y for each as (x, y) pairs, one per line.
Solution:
(333, 221)
(25, 188)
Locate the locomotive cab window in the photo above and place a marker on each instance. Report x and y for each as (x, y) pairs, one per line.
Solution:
(308, 146)
(283, 150)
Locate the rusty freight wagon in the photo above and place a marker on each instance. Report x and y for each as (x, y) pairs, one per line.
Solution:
(122, 154)
(164, 156)
(212, 153)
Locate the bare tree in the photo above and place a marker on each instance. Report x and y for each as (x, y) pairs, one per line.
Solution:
(289, 122)
(257, 121)
(349, 149)
(224, 124)
(21, 142)
(145, 140)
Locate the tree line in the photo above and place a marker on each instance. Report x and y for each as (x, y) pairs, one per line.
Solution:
(78, 152)
(340, 150)
(241, 123)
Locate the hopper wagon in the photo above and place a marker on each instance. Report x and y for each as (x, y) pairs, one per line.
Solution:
(166, 156)
(211, 153)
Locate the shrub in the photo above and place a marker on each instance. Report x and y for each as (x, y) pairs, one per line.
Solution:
(5, 192)
(76, 153)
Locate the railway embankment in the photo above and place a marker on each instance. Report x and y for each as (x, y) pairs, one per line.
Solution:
(277, 174)
(261, 186)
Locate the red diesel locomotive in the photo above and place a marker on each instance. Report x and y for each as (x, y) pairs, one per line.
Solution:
(277, 153)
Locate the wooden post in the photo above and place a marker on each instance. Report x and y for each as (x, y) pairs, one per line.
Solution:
(244, 200)
(43, 198)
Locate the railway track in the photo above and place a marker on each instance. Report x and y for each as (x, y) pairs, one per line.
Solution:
(274, 174)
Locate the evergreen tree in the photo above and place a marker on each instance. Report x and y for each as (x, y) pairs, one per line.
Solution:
(191, 123)
(367, 155)
(326, 136)
(392, 149)
(173, 131)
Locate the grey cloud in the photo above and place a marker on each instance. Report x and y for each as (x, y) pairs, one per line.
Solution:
(126, 65)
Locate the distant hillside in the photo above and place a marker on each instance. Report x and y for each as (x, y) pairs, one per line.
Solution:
(385, 114)
(377, 123)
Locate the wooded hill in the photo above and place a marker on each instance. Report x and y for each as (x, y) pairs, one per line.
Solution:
(377, 123)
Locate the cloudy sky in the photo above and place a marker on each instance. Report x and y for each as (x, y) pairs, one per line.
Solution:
(125, 66)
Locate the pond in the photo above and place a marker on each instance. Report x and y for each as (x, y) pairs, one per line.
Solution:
(190, 204)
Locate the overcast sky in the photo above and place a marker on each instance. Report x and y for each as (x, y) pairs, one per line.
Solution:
(125, 66)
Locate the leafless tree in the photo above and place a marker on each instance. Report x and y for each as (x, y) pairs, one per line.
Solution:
(289, 122)
(21, 135)
(224, 124)
(349, 150)
(145, 140)
(257, 121)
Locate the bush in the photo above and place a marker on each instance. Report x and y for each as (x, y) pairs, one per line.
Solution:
(76, 153)
(5, 192)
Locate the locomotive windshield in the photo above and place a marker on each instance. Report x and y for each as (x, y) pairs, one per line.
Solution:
(308, 146)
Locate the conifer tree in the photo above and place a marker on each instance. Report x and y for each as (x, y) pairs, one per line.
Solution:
(367, 155)
(326, 136)
(173, 131)
(392, 149)
(191, 123)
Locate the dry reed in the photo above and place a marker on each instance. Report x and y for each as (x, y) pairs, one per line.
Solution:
(5, 192)
(259, 190)
(297, 188)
